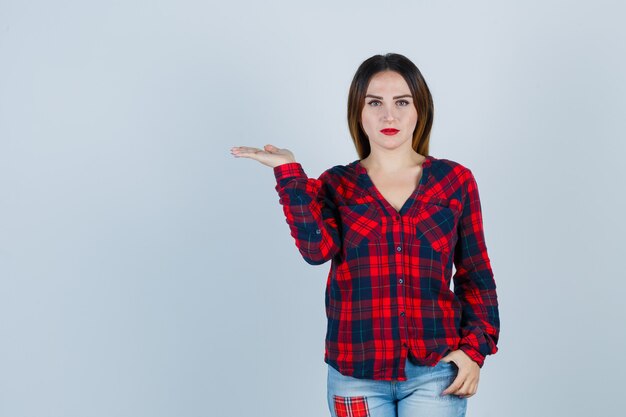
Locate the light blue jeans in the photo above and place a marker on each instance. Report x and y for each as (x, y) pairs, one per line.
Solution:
(419, 395)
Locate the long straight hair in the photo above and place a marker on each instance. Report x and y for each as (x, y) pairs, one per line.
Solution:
(419, 90)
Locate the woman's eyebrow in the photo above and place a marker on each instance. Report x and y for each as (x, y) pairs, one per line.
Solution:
(380, 98)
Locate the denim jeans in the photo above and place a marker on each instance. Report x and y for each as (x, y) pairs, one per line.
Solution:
(419, 395)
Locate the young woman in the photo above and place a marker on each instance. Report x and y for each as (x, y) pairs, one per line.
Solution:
(399, 340)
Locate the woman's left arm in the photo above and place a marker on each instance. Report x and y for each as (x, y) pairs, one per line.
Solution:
(475, 287)
(474, 284)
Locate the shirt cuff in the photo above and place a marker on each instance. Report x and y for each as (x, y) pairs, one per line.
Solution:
(476, 356)
(289, 169)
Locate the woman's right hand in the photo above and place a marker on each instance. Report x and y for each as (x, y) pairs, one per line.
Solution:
(270, 155)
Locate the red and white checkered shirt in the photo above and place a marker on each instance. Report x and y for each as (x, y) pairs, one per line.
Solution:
(388, 290)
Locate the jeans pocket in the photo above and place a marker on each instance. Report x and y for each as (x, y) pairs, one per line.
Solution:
(447, 366)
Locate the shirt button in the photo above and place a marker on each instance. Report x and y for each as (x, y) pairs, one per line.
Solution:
(402, 313)
(400, 280)
(399, 248)
(397, 217)
(318, 231)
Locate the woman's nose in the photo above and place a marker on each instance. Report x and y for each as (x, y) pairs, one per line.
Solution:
(388, 114)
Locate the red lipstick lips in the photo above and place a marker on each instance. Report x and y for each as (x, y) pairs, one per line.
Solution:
(389, 132)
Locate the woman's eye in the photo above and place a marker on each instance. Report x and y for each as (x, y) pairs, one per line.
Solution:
(375, 103)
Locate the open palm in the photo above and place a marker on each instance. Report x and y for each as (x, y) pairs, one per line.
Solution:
(270, 155)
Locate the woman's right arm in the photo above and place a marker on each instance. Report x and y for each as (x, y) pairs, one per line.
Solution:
(309, 211)
(308, 206)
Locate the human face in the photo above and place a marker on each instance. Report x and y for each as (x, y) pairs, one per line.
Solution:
(389, 105)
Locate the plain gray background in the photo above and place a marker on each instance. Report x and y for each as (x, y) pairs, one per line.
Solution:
(144, 271)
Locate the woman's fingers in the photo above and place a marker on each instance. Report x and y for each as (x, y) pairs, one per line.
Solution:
(277, 151)
(270, 155)
(456, 384)
(464, 385)
(467, 388)
(241, 150)
(248, 152)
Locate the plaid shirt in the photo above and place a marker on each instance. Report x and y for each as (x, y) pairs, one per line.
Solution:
(388, 289)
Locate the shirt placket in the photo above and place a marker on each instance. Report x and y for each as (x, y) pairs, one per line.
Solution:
(400, 250)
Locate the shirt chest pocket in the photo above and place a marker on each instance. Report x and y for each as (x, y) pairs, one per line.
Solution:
(435, 223)
(360, 223)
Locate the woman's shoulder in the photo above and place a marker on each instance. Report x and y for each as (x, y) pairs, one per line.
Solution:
(346, 171)
(448, 171)
(446, 163)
